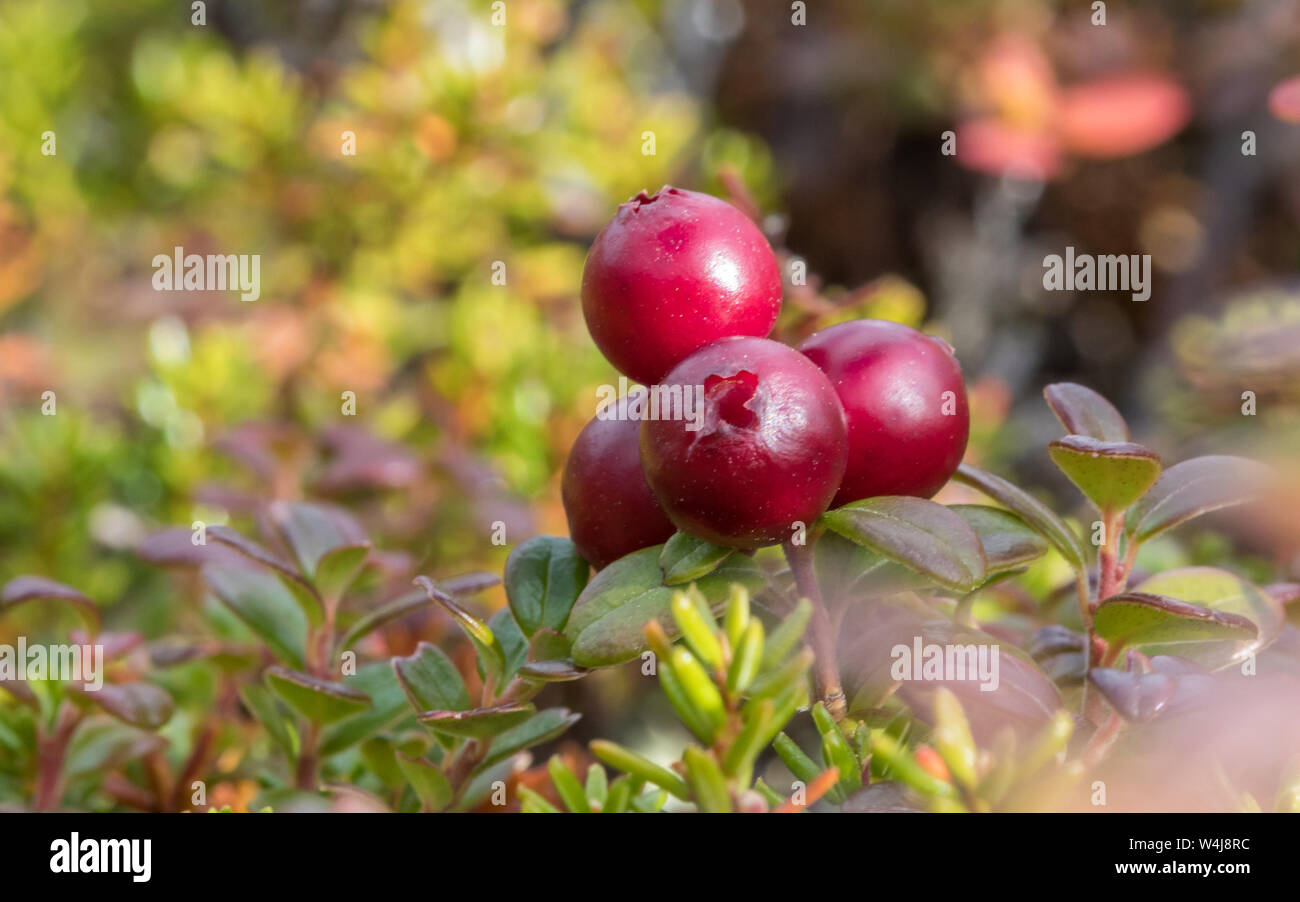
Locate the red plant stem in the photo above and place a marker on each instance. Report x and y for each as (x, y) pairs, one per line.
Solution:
(190, 770)
(305, 779)
(821, 633)
(49, 759)
(1108, 567)
(1126, 568)
(1102, 740)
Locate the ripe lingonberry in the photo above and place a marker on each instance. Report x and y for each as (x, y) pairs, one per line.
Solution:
(671, 272)
(905, 403)
(769, 453)
(611, 510)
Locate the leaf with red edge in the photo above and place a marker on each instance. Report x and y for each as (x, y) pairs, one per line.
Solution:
(1029, 509)
(328, 542)
(919, 534)
(1084, 412)
(477, 723)
(1194, 487)
(1112, 475)
(175, 547)
(139, 704)
(1143, 618)
(320, 701)
(27, 589)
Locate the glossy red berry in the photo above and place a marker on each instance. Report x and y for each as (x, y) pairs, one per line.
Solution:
(610, 509)
(769, 453)
(671, 272)
(905, 401)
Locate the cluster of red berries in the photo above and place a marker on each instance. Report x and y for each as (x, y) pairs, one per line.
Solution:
(681, 289)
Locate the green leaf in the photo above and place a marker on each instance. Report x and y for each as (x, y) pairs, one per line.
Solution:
(952, 738)
(1112, 475)
(25, 589)
(102, 744)
(548, 645)
(848, 572)
(1141, 618)
(552, 670)
(477, 723)
(630, 762)
(388, 703)
(608, 621)
(706, 778)
(329, 544)
(921, 535)
(541, 727)
(1084, 412)
(686, 558)
(1029, 509)
(566, 785)
(491, 656)
(431, 681)
(429, 783)
(320, 701)
(1224, 592)
(543, 579)
(258, 699)
(1008, 541)
(700, 634)
(265, 605)
(514, 646)
(139, 704)
(787, 635)
(304, 593)
(399, 607)
(1192, 488)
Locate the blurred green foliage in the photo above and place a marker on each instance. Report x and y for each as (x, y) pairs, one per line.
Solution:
(474, 144)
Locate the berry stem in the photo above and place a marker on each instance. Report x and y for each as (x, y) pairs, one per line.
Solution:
(821, 634)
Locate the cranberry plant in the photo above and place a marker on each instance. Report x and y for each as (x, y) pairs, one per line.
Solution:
(771, 555)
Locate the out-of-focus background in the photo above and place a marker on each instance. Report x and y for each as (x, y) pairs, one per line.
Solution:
(480, 144)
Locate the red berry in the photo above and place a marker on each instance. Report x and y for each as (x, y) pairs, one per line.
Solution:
(610, 509)
(671, 272)
(906, 435)
(770, 451)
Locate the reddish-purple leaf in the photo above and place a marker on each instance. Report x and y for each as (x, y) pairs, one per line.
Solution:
(25, 589)
(1084, 412)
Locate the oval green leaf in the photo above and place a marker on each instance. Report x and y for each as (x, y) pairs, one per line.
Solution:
(298, 585)
(1112, 475)
(1222, 591)
(686, 558)
(320, 701)
(542, 727)
(430, 680)
(387, 703)
(429, 783)
(139, 704)
(266, 607)
(544, 577)
(1008, 540)
(921, 535)
(608, 621)
(477, 723)
(1143, 618)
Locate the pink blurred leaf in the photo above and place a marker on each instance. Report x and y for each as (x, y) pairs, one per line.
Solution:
(1121, 115)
